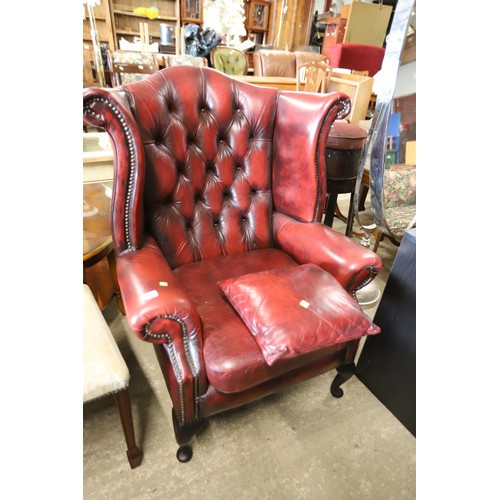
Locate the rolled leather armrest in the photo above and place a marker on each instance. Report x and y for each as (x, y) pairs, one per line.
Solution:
(312, 242)
(157, 308)
(159, 311)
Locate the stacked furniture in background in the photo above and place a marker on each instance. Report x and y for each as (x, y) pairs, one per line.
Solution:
(399, 202)
(283, 63)
(356, 56)
(313, 76)
(128, 66)
(229, 60)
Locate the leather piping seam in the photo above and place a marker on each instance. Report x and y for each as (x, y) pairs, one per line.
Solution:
(132, 159)
(345, 105)
(177, 370)
(367, 280)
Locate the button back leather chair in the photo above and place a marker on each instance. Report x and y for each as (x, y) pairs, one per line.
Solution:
(217, 179)
(229, 60)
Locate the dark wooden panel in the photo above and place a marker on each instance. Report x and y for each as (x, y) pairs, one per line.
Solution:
(387, 364)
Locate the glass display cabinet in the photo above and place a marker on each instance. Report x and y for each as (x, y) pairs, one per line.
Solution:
(192, 11)
(258, 15)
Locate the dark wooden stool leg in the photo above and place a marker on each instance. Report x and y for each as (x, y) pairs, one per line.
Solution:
(330, 209)
(350, 217)
(339, 214)
(134, 453)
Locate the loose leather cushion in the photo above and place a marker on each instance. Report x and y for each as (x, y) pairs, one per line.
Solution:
(233, 360)
(294, 311)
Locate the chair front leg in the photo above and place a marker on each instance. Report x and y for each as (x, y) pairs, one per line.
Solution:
(134, 453)
(184, 434)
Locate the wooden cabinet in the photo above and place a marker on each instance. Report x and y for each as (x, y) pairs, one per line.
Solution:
(334, 32)
(129, 14)
(290, 24)
(258, 15)
(192, 11)
(257, 20)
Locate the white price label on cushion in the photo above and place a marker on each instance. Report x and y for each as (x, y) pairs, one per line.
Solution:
(304, 304)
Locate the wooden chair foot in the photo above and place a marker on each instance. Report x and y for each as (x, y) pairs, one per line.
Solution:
(134, 457)
(134, 453)
(183, 436)
(344, 373)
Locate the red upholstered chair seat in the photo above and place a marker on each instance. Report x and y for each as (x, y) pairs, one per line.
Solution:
(356, 56)
(217, 178)
(229, 369)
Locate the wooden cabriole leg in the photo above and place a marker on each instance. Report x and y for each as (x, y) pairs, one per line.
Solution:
(345, 371)
(184, 434)
(134, 453)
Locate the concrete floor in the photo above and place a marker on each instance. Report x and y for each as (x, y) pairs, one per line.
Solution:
(299, 444)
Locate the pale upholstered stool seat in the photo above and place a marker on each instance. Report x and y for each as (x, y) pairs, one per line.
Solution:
(105, 371)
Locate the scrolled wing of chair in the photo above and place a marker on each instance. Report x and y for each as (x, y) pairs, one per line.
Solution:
(214, 179)
(229, 60)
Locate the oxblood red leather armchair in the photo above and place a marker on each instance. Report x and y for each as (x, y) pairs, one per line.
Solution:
(216, 178)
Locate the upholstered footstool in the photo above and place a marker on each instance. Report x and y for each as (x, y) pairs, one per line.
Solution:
(343, 153)
(105, 371)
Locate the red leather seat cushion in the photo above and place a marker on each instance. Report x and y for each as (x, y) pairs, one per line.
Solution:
(233, 359)
(296, 311)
